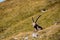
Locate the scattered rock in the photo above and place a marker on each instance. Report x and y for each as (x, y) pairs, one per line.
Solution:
(34, 35)
(43, 10)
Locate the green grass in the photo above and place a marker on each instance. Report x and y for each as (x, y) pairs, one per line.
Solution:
(16, 17)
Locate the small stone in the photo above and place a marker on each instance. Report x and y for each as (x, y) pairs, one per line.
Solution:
(43, 10)
(34, 35)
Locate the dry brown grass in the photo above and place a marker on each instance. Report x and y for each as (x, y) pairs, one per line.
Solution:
(15, 15)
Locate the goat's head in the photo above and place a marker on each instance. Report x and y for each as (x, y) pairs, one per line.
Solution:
(35, 22)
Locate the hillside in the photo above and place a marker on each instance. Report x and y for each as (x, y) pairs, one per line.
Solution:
(15, 15)
(50, 33)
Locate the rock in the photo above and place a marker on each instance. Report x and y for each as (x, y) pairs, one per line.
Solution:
(34, 35)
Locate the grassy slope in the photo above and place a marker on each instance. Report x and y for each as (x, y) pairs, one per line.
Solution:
(50, 33)
(14, 15)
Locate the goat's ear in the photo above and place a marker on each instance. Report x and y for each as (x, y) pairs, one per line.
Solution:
(37, 18)
(32, 19)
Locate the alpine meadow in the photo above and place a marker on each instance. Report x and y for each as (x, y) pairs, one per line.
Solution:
(16, 19)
